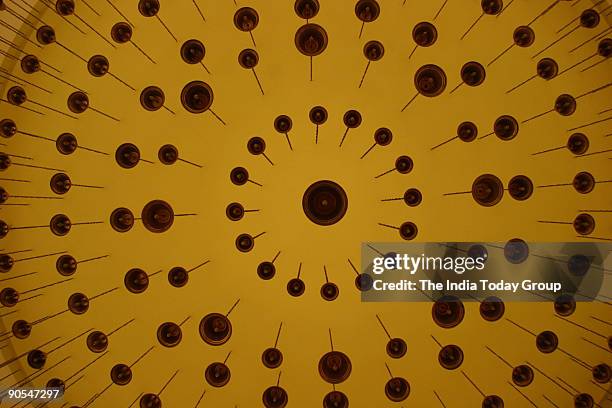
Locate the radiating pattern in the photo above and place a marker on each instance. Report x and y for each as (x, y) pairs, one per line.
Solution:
(178, 230)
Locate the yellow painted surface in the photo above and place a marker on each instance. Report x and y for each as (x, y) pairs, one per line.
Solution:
(284, 74)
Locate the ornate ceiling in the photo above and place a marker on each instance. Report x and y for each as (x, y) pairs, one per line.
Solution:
(170, 170)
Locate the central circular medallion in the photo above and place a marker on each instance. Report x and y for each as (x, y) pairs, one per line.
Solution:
(325, 203)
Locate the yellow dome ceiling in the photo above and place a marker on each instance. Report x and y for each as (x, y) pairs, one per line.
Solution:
(168, 173)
